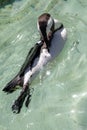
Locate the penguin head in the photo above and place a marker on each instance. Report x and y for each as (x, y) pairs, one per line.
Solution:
(45, 25)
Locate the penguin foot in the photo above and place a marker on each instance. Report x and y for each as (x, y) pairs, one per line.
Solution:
(16, 107)
(28, 100)
(12, 85)
(29, 97)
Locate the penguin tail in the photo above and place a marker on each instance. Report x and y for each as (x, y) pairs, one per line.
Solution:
(12, 85)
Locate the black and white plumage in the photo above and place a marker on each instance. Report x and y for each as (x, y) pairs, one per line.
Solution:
(53, 37)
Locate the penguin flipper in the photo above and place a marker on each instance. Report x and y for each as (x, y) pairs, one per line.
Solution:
(11, 86)
(33, 53)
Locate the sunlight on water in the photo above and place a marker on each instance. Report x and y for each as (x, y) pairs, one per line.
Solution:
(59, 100)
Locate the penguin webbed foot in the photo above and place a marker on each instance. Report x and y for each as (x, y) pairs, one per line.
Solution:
(16, 107)
(29, 97)
(9, 88)
(28, 100)
(12, 85)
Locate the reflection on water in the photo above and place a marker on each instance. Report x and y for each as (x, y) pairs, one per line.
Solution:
(57, 103)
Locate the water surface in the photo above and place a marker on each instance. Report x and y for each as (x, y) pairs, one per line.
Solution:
(59, 100)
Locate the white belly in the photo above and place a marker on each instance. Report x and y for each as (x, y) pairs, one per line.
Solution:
(56, 47)
(57, 43)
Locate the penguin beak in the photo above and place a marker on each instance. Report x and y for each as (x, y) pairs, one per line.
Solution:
(46, 29)
(42, 31)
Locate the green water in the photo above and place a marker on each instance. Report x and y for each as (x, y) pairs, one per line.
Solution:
(59, 100)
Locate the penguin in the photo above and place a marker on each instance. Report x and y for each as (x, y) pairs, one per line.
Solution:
(52, 39)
